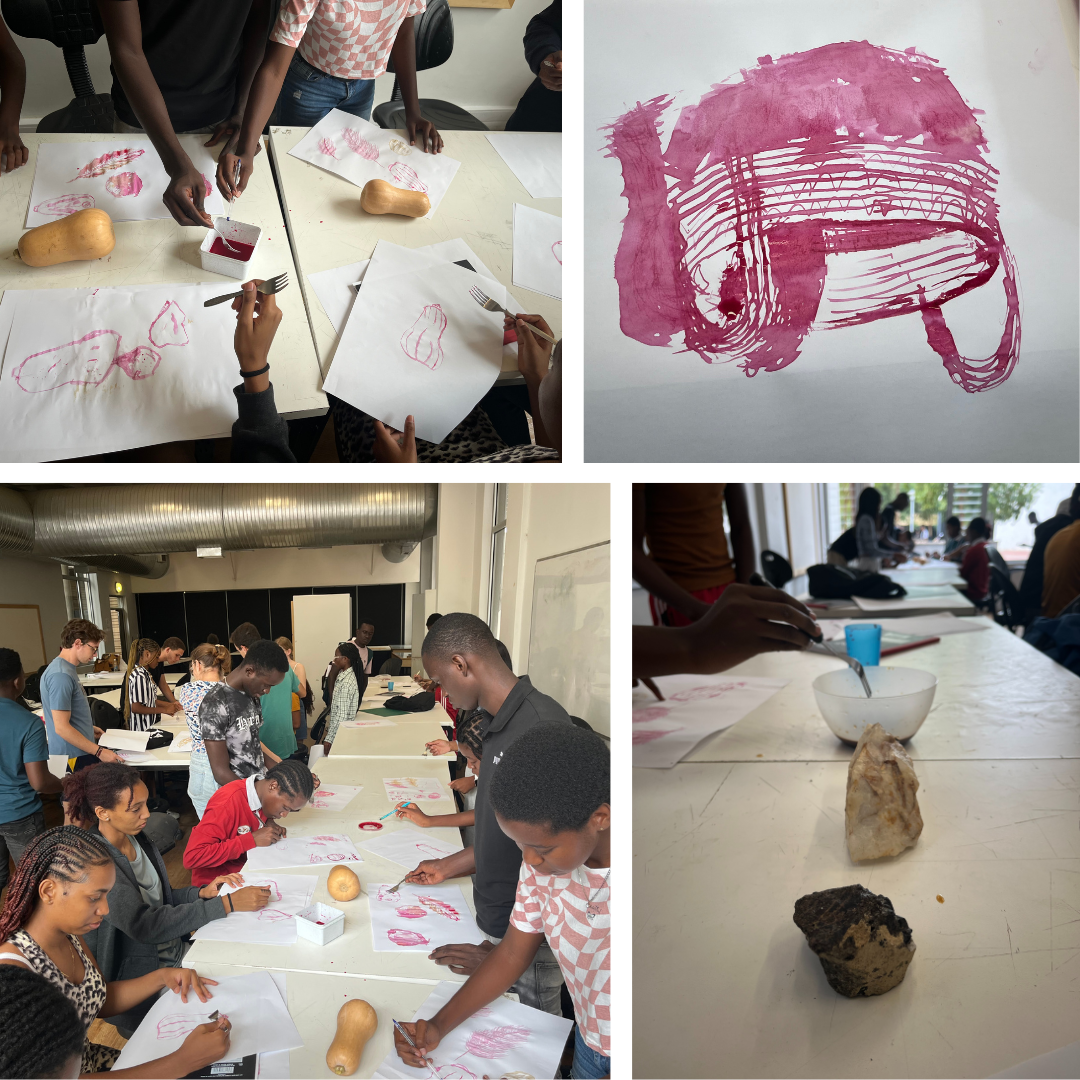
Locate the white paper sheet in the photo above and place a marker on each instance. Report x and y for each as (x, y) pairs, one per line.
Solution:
(129, 184)
(335, 797)
(420, 789)
(418, 344)
(181, 744)
(336, 290)
(273, 924)
(365, 722)
(909, 603)
(419, 918)
(105, 369)
(503, 1038)
(1062, 1064)
(534, 157)
(917, 625)
(358, 152)
(302, 851)
(537, 251)
(122, 739)
(695, 706)
(134, 757)
(408, 847)
(260, 1021)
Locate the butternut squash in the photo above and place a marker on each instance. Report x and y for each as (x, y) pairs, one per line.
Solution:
(343, 884)
(356, 1023)
(381, 197)
(86, 234)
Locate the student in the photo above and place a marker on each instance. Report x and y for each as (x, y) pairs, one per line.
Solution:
(183, 67)
(141, 709)
(148, 920)
(41, 1033)
(12, 88)
(172, 648)
(1061, 564)
(1031, 586)
(209, 665)
(551, 796)
(58, 895)
(954, 539)
(975, 567)
(350, 682)
(243, 815)
(63, 700)
(540, 107)
(460, 652)
(470, 745)
(361, 641)
(24, 766)
(870, 552)
(303, 701)
(276, 732)
(688, 565)
(325, 55)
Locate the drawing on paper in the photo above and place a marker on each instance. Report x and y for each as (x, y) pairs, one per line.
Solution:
(814, 191)
(422, 342)
(64, 205)
(180, 1025)
(207, 184)
(496, 1042)
(654, 712)
(400, 148)
(439, 907)
(125, 183)
(87, 361)
(169, 328)
(406, 938)
(359, 145)
(410, 912)
(556, 250)
(268, 914)
(325, 838)
(452, 1072)
(639, 737)
(114, 159)
(327, 147)
(406, 175)
(705, 693)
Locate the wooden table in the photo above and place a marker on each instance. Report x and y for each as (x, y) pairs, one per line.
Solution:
(328, 229)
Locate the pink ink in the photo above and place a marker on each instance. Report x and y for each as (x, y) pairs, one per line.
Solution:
(114, 159)
(268, 914)
(496, 1042)
(336, 857)
(64, 205)
(140, 363)
(207, 184)
(440, 907)
(422, 342)
(168, 328)
(849, 157)
(411, 912)
(639, 737)
(643, 716)
(705, 693)
(324, 837)
(359, 145)
(406, 938)
(406, 175)
(125, 183)
(327, 147)
(85, 362)
(179, 1025)
(453, 1072)
(239, 251)
(556, 250)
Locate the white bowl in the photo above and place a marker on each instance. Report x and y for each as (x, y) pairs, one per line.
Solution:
(900, 703)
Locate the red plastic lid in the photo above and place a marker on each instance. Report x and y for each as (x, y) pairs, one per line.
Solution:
(371, 826)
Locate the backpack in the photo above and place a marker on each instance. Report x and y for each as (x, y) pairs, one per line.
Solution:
(104, 715)
(421, 702)
(829, 582)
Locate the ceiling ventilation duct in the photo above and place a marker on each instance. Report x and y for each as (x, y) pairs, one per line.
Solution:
(399, 552)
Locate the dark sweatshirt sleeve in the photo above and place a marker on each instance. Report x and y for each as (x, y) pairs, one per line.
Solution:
(260, 434)
(543, 35)
(131, 915)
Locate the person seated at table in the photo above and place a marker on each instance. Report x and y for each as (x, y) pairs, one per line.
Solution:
(41, 1032)
(954, 540)
(1031, 585)
(975, 567)
(183, 67)
(1061, 564)
(551, 796)
(142, 709)
(350, 684)
(12, 88)
(540, 107)
(58, 896)
(469, 744)
(869, 551)
(209, 665)
(243, 815)
(149, 922)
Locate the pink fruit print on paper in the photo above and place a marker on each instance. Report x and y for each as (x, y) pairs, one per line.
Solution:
(654, 712)
(337, 856)
(556, 250)
(114, 159)
(327, 147)
(85, 362)
(412, 912)
(169, 326)
(453, 1072)
(705, 693)
(359, 145)
(440, 907)
(125, 183)
(406, 938)
(422, 342)
(66, 204)
(639, 737)
(140, 363)
(496, 1042)
(180, 1025)
(406, 175)
(206, 184)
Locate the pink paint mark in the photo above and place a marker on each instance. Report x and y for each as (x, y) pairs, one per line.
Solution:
(140, 363)
(179, 1025)
(114, 159)
(324, 838)
(272, 915)
(637, 738)
(705, 693)
(336, 857)
(406, 176)
(452, 1072)
(440, 907)
(406, 938)
(85, 362)
(327, 147)
(496, 1042)
(643, 716)
(359, 145)
(556, 250)
(125, 183)
(422, 342)
(169, 327)
(850, 158)
(207, 184)
(412, 912)
(64, 205)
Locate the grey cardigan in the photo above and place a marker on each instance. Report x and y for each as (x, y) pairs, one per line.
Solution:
(125, 945)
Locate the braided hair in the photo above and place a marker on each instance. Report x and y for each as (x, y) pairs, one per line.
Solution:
(293, 778)
(63, 854)
(144, 644)
(468, 733)
(40, 1029)
(102, 784)
(352, 654)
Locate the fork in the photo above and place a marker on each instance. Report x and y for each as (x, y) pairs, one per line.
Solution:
(488, 304)
(849, 660)
(273, 285)
(399, 884)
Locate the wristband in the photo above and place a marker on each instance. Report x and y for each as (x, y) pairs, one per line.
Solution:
(98, 754)
(251, 374)
(228, 896)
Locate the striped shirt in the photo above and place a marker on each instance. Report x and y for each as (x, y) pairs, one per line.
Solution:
(190, 696)
(558, 906)
(142, 690)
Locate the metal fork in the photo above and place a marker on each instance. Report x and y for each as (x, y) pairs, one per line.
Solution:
(272, 285)
(849, 660)
(493, 305)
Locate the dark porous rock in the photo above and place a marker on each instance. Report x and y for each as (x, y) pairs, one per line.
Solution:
(863, 945)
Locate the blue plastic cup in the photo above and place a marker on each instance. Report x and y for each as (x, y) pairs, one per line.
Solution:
(864, 643)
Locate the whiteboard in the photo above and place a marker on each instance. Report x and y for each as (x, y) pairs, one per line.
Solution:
(319, 623)
(570, 642)
(20, 629)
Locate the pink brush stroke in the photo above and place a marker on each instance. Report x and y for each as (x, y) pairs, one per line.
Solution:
(643, 716)
(556, 250)
(406, 938)
(122, 184)
(496, 1042)
(422, 342)
(64, 205)
(169, 326)
(114, 159)
(327, 147)
(359, 145)
(637, 738)
(406, 175)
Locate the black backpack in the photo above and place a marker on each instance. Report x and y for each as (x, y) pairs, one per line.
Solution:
(421, 702)
(830, 582)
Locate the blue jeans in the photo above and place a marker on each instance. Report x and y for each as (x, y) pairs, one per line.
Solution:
(201, 783)
(308, 94)
(588, 1064)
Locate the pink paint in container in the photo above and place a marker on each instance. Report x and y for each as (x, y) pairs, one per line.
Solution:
(232, 264)
(320, 923)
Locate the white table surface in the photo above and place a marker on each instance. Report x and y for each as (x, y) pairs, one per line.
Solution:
(934, 572)
(435, 715)
(996, 698)
(402, 741)
(162, 251)
(730, 987)
(329, 229)
(935, 599)
(116, 678)
(372, 803)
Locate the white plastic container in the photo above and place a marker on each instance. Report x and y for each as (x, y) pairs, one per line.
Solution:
(231, 230)
(901, 701)
(332, 923)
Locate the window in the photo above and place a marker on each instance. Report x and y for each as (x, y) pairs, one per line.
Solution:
(81, 594)
(116, 616)
(498, 547)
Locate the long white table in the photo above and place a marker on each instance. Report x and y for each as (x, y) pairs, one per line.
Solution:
(116, 678)
(920, 600)
(405, 741)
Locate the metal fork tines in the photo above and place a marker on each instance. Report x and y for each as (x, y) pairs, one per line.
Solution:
(271, 285)
(488, 304)
(852, 663)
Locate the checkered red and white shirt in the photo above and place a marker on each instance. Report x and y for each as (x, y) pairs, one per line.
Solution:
(556, 905)
(350, 39)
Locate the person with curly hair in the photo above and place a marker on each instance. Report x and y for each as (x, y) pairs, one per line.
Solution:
(41, 1033)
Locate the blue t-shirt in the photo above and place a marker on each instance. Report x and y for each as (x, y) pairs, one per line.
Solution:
(22, 739)
(61, 689)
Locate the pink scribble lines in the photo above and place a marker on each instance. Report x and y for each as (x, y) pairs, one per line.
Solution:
(637, 738)
(406, 175)
(273, 915)
(327, 147)
(180, 1025)
(440, 907)
(122, 184)
(705, 693)
(819, 190)
(422, 342)
(654, 712)
(411, 911)
(64, 205)
(556, 250)
(359, 145)
(406, 938)
(114, 159)
(496, 1042)
(169, 327)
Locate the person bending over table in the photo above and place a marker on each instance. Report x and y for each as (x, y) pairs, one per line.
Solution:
(148, 921)
(58, 896)
(460, 652)
(172, 648)
(141, 707)
(551, 796)
(41, 1032)
(470, 745)
(350, 682)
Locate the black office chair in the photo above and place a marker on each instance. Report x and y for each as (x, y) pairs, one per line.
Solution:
(69, 25)
(391, 667)
(997, 559)
(434, 44)
(1005, 595)
(776, 568)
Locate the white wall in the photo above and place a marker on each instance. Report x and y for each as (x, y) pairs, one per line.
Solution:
(33, 581)
(459, 568)
(486, 74)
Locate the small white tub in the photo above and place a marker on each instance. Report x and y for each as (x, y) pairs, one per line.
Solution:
(237, 232)
(320, 923)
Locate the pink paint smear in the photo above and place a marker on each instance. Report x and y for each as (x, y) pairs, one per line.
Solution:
(850, 158)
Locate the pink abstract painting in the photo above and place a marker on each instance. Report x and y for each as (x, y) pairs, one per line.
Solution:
(817, 190)
(411, 911)
(86, 362)
(496, 1042)
(639, 737)
(169, 327)
(654, 712)
(406, 938)
(114, 159)
(64, 205)
(406, 175)
(327, 147)
(440, 907)
(125, 183)
(359, 145)
(422, 342)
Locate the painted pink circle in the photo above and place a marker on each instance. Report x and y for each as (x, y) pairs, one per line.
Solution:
(434, 795)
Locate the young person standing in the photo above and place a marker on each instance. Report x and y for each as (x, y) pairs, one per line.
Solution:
(350, 682)
(209, 665)
(141, 708)
(172, 648)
